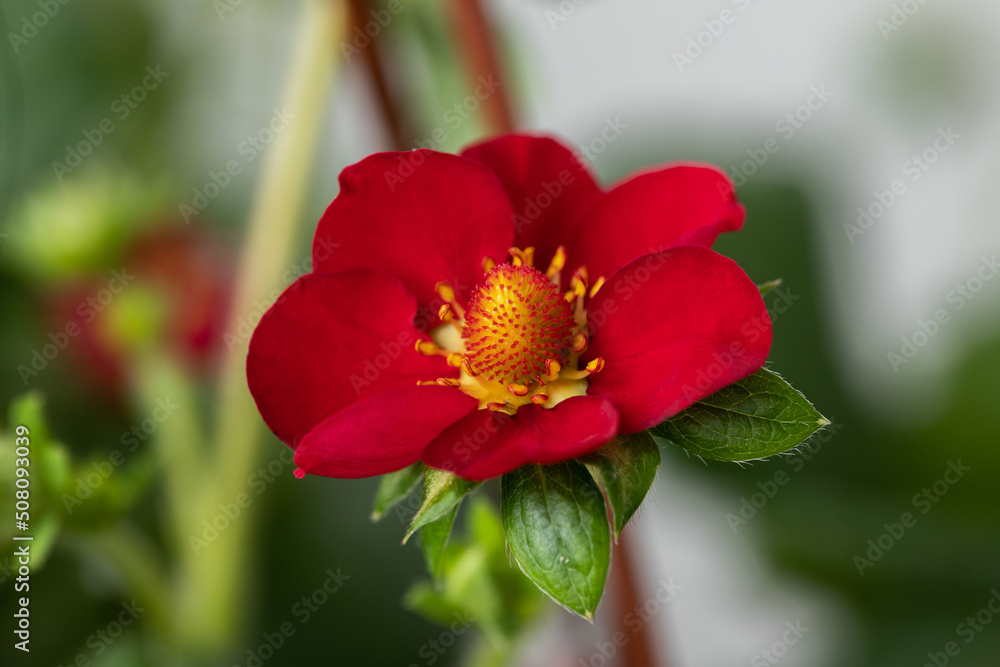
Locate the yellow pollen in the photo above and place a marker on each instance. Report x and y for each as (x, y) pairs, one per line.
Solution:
(516, 322)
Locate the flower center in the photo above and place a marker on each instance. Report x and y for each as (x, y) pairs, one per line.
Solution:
(516, 321)
(520, 339)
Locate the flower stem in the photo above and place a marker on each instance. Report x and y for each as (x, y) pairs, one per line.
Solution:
(178, 442)
(638, 652)
(395, 123)
(476, 42)
(212, 600)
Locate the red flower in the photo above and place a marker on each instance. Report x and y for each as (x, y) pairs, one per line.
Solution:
(483, 311)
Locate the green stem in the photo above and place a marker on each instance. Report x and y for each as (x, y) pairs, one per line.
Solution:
(178, 441)
(214, 581)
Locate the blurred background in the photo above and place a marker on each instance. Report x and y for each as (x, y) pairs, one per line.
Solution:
(163, 168)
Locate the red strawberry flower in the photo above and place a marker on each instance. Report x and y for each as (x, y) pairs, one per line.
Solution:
(497, 308)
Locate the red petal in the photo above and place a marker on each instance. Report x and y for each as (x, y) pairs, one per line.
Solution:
(329, 340)
(674, 327)
(674, 206)
(381, 433)
(485, 444)
(547, 186)
(422, 216)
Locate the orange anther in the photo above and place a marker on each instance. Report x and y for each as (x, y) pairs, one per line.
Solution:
(596, 366)
(538, 399)
(502, 407)
(517, 389)
(446, 291)
(580, 342)
(427, 347)
(445, 313)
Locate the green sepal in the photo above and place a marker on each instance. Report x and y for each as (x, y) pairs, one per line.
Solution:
(442, 492)
(393, 487)
(625, 469)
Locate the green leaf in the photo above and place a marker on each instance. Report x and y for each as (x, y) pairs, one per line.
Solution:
(433, 539)
(556, 524)
(625, 469)
(759, 416)
(395, 486)
(442, 492)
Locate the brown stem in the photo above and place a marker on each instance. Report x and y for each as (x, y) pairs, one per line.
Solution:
(478, 48)
(376, 73)
(638, 650)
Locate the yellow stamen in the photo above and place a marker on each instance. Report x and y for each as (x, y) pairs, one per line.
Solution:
(467, 367)
(524, 257)
(448, 382)
(557, 264)
(505, 408)
(446, 292)
(597, 285)
(427, 347)
(579, 342)
(578, 283)
(517, 389)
